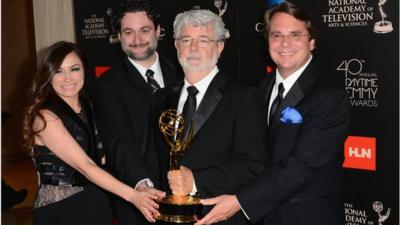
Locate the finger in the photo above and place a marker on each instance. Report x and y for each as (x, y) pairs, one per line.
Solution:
(169, 175)
(149, 216)
(200, 222)
(153, 204)
(172, 173)
(153, 197)
(174, 191)
(209, 201)
(152, 211)
(159, 193)
(176, 187)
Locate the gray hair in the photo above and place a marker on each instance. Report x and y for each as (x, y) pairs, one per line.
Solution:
(201, 17)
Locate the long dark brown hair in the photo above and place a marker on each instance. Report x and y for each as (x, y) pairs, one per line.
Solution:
(42, 89)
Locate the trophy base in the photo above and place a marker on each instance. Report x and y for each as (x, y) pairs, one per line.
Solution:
(382, 27)
(179, 209)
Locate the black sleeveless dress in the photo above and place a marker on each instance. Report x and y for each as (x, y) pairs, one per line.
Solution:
(64, 195)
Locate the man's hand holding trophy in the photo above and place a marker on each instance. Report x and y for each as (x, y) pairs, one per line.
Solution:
(178, 207)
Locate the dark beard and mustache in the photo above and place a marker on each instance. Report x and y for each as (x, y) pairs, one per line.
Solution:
(140, 57)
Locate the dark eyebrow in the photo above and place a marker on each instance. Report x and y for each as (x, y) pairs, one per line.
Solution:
(125, 29)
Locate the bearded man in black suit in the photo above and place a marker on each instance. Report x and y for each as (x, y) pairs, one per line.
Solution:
(227, 150)
(122, 101)
(308, 123)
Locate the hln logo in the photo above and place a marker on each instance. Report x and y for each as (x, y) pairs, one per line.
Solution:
(360, 153)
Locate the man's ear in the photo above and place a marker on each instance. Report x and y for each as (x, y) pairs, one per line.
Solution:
(220, 47)
(312, 44)
(176, 44)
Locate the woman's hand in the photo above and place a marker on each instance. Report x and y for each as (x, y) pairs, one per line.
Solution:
(145, 201)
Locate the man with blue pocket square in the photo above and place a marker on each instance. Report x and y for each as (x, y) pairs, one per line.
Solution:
(308, 119)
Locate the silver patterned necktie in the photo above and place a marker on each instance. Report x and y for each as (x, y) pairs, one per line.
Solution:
(151, 81)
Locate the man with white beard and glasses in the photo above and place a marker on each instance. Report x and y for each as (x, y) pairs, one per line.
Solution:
(227, 150)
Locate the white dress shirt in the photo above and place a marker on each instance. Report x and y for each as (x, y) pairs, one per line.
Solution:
(287, 83)
(201, 86)
(156, 68)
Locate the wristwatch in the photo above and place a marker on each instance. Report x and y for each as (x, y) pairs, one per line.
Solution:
(148, 183)
(144, 183)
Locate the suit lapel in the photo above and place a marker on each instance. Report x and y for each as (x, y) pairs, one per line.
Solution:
(135, 78)
(291, 99)
(169, 72)
(265, 85)
(297, 92)
(209, 102)
(268, 88)
(172, 99)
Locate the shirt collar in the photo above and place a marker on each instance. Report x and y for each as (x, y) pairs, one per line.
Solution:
(155, 67)
(142, 70)
(201, 86)
(291, 79)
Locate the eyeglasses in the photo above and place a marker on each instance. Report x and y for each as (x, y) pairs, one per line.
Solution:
(278, 37)
(201, 41)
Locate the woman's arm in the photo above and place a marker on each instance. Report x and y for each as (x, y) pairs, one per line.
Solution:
(56, 137)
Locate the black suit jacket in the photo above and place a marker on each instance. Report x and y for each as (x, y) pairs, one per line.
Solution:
(228, 145)
(303, 182)
(122, 104)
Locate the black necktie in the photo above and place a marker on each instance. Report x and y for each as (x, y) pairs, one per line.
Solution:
(151, 81)
(189, 108)
(277, 101)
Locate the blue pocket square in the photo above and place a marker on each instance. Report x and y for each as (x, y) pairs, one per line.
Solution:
(291, 115)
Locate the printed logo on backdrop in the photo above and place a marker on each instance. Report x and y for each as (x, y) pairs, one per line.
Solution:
(382, 26)
(95, 27)
(221, 6)
(378, 208)
(357, 13)
(360, 153)
(98, 27)
(113, 37)
(361, 86)
(366, 216)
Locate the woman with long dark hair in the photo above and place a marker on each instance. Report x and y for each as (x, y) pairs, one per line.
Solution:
(59, 129)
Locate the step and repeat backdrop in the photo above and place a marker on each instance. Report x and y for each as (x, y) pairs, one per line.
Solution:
(358, 40)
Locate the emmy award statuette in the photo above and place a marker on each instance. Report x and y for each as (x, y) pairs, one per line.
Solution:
(378, 207)
(175, 208)
(383, 26)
